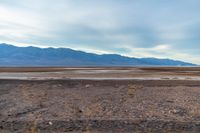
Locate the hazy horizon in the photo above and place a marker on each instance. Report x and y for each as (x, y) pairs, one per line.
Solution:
(160, 28)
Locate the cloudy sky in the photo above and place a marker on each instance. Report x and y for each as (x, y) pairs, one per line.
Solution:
(136, 28)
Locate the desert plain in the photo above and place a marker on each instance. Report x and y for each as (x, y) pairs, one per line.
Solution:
(100, 100)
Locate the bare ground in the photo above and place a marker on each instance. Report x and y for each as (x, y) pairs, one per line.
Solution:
(98, 106)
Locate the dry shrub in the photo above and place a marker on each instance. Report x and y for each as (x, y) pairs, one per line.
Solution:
(132, 89)
(32, 130)
(93, 110)
(195, 112)
(86, 130)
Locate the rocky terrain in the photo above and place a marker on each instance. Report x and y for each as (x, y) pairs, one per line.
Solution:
(168, 103)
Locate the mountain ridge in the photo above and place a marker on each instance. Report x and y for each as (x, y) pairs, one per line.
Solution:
(11, 55)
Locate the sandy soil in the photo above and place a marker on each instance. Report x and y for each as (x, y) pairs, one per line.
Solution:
(98, 106)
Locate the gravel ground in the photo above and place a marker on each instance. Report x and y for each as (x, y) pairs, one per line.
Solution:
(58, 106)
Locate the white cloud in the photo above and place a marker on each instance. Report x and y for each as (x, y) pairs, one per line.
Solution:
(161, 47)
(18, 17)
(131, 28)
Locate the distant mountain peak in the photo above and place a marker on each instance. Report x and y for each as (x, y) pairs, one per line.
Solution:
(11, 55)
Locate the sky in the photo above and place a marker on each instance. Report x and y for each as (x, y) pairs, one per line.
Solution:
(135, 28)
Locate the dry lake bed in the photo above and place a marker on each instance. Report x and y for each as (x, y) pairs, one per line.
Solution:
(100, 100)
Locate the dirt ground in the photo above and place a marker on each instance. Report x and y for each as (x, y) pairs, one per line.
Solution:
(100, 100)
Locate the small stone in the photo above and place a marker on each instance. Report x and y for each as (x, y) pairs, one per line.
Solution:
(87, 86)
(50, 123)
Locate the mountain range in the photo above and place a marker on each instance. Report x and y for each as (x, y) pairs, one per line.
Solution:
(11, 55)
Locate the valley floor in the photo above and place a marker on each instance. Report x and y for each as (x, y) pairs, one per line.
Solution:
(99, 100)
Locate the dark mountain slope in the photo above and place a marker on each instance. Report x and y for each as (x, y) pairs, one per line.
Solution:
(32, 56)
